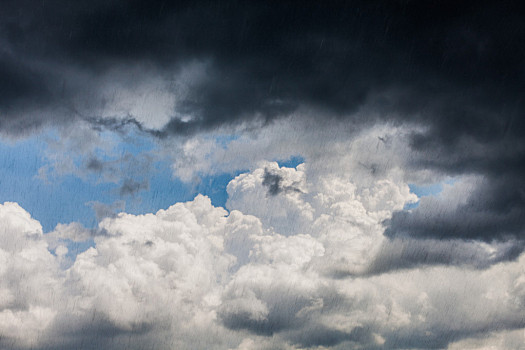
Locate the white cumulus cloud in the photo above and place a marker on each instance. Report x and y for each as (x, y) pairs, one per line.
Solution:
(297, 261)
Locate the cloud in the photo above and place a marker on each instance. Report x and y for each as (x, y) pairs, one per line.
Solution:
(492, 203)
(496, 340)
(469, 208)
(274, 184)
(29, 279)
(405, 253)
(344, 215)
(130, 187)
(450, 77)
(372, 96)
(300, 299)
(142, 265)
(73, 231)
(98, 157)
(195, 276)
(257, 62)
(104, 210)
(249, 194)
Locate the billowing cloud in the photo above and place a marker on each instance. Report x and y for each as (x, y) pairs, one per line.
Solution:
(336, 252)
(30, 284)
(262, 61)
(296, 269)
(449, 76)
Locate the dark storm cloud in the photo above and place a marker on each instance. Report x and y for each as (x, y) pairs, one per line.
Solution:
(455, 68)
(18, 83)
(494, 209)
(268, 58)
(411, 253)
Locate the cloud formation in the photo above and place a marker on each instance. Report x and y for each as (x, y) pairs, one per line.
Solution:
(451, 73)
(469, 208)
(336, 252)
(195, 276)
(183, 67)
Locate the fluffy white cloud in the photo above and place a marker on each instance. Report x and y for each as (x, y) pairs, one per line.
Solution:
(346, 218)
(276, 195)
(29, 278)
(297, 262)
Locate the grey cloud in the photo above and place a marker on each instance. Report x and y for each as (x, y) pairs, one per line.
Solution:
(492, 209)
(406, 253)
(268, 59)
(322, 336)
(283, 306)
(274, 183)
(127, 164)
(96, 332)
(441, 341)
(243, 321)
(292, 315)
(130, 187)
(94, 164)
(120, 125)
(130, 170)
(103, 210)
(18, 82)
(454, 70)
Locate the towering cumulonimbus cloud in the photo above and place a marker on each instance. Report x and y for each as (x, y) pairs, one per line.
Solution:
(195, 276)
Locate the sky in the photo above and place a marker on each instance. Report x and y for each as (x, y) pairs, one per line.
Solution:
(251, 175)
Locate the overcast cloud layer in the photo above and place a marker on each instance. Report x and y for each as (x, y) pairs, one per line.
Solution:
(379, 101)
